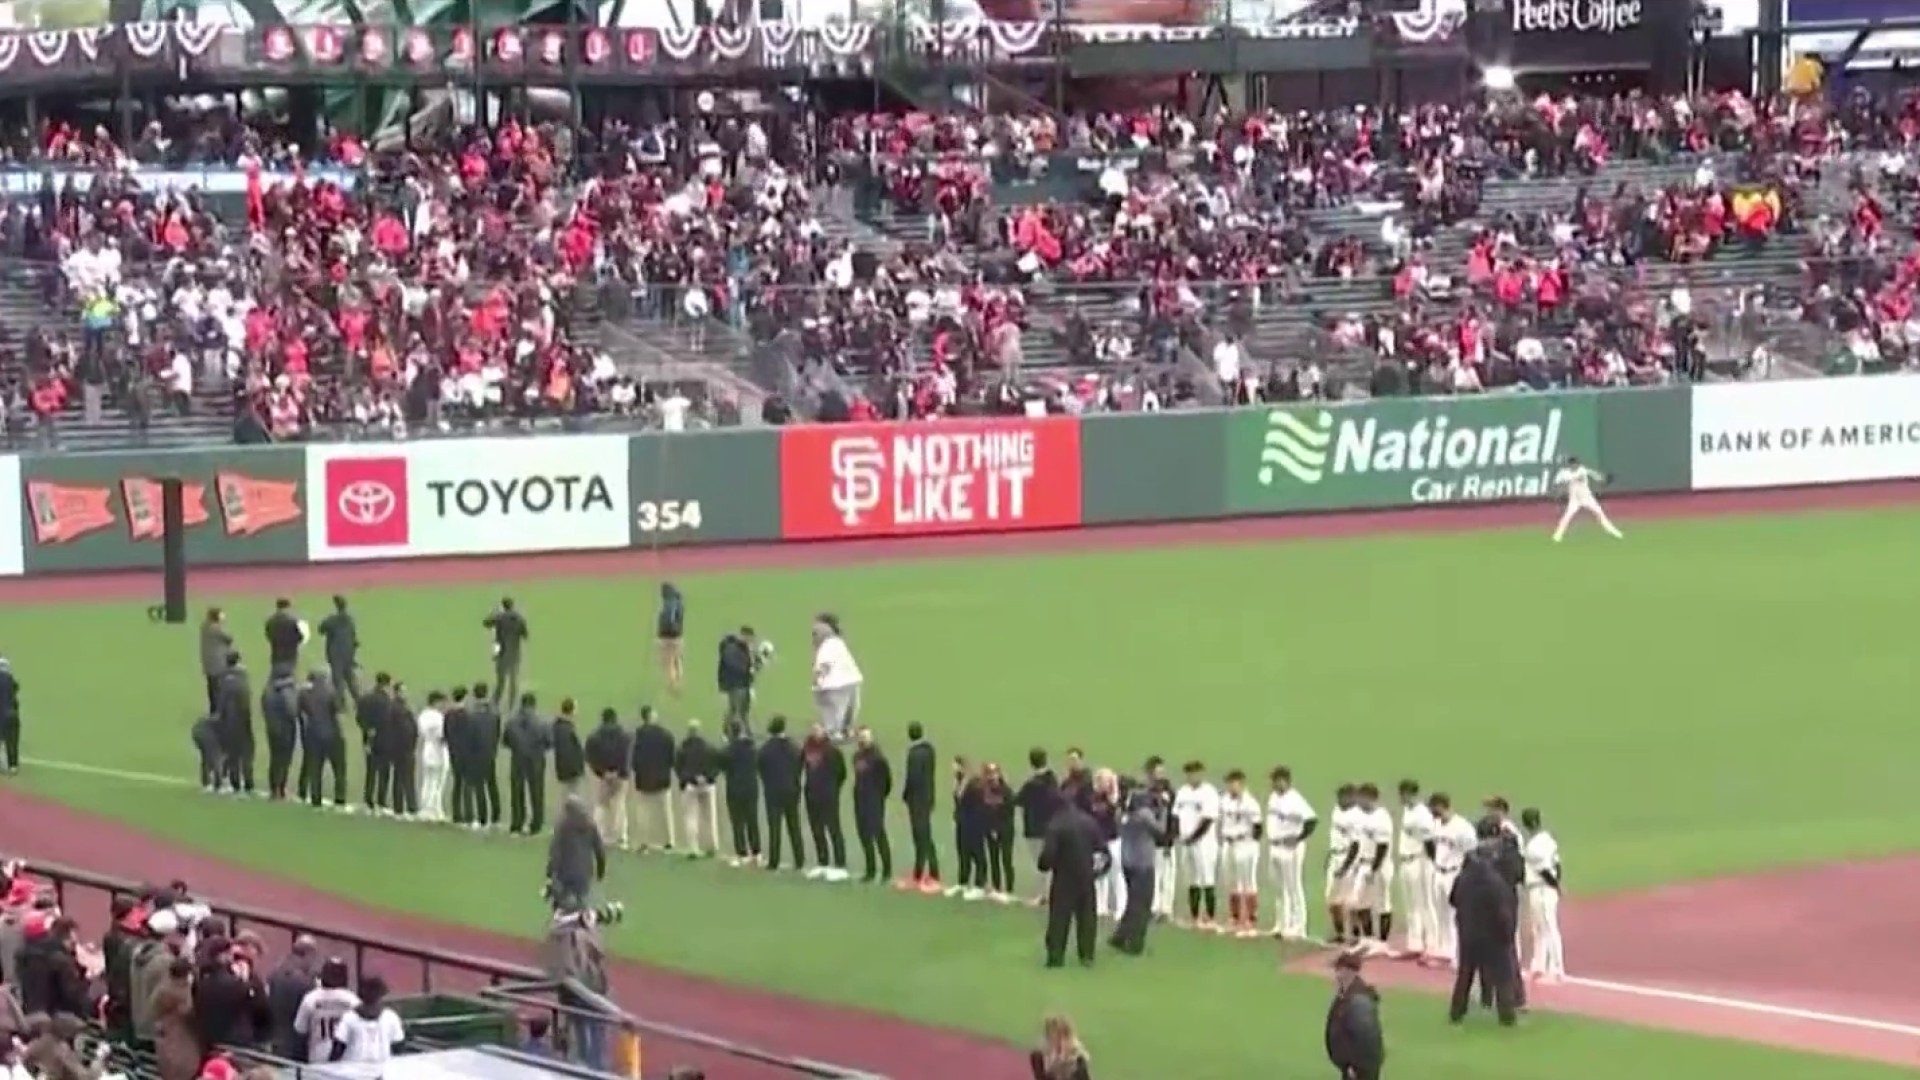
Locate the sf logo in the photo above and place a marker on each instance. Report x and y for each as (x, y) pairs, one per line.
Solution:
(859, 467)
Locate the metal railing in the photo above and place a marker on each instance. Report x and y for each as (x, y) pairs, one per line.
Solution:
(418, 969)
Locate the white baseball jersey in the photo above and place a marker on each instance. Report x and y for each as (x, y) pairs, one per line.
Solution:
(320, 1014)
(1193, 804)
(1287, 815)
(1577, 480)
(368, 1044)
(1416, 828)
(1452, 839)
(1239, 817)
(834, 667)
(1543, 857)
(1343, 831)
(433, 736)
(1375, 832)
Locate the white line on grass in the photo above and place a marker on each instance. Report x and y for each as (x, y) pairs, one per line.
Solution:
(1742, 1005)
(111, 774)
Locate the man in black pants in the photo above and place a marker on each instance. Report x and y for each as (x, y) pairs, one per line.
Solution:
(1140, 834)
(460, 755)
(779, 765)
(370, 716)
(737, 762)
(917, 793)
(872, 786)
(321, 743)
(10, 716)
(280, 713)
(403, 755)
(1074, 855)
(825, 776)
(528, 741)
(236, 727)
(486, 759)
(1485, 918)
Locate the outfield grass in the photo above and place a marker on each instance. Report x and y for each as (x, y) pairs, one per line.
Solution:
(1650, 695)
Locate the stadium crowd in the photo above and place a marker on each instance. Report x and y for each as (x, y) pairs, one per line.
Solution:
(445, 284)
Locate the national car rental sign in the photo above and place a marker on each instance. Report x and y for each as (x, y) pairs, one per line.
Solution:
(979, 474)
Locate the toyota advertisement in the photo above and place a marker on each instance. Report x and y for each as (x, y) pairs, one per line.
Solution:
(468, 497)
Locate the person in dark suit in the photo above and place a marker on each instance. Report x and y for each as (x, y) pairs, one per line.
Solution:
(487, 725)
(1073, 853)
(215, 644)
(1140, 832)
(370, 715)
(569, 754)
(670, 626)
(872, 787)
(322, 745)
(236, 727)
(1036, 800)
(1356, 1046)
(342, 640)
(738, 763)
(9, 716)
(739, 665)
(460, 755)
(1512, 862)
(824, 776)
(510, 636)
(917, 793)
(285, 634)
(1485, 914)
(779, 766)
(280, 713)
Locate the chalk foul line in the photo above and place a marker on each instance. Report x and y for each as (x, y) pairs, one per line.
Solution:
(1785, 1012)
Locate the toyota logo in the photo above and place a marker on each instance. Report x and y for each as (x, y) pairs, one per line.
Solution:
(366, 502)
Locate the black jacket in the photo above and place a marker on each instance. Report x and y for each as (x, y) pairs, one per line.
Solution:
(51, 980)
(825, 772)
(9, 694)
(569, 756)
(400, 737)
(1485, 907)
(229, 1010)
(280, 709)
(872, 780)
(319, 714)
(779, 770)
(116, 951)
(742, 767)
(917, 790)
(1037, 799)
(283, 639)
(286, 988)
(576, 856)
(607, 750)
(695, 762)
(1072, 852)
(459, 735)
(370, 715)
(528, 739)
(735, 670)
(236, 701)
(1354, 1039)
(486, 732)
(652, 758)
(342, 639)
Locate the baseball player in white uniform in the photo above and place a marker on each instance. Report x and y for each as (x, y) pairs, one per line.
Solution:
(1240, 847)
(1196, 818)
(1343, 855)
(1416, 870)
(1290, 822)
(435, 762)
(1453, 838)
(1577, 481)
(1371, 906)
(1547, 957)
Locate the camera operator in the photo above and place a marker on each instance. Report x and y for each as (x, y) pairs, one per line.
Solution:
(573, 951)
(576, 856)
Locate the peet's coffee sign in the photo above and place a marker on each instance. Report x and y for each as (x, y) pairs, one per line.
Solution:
(1576, 16)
